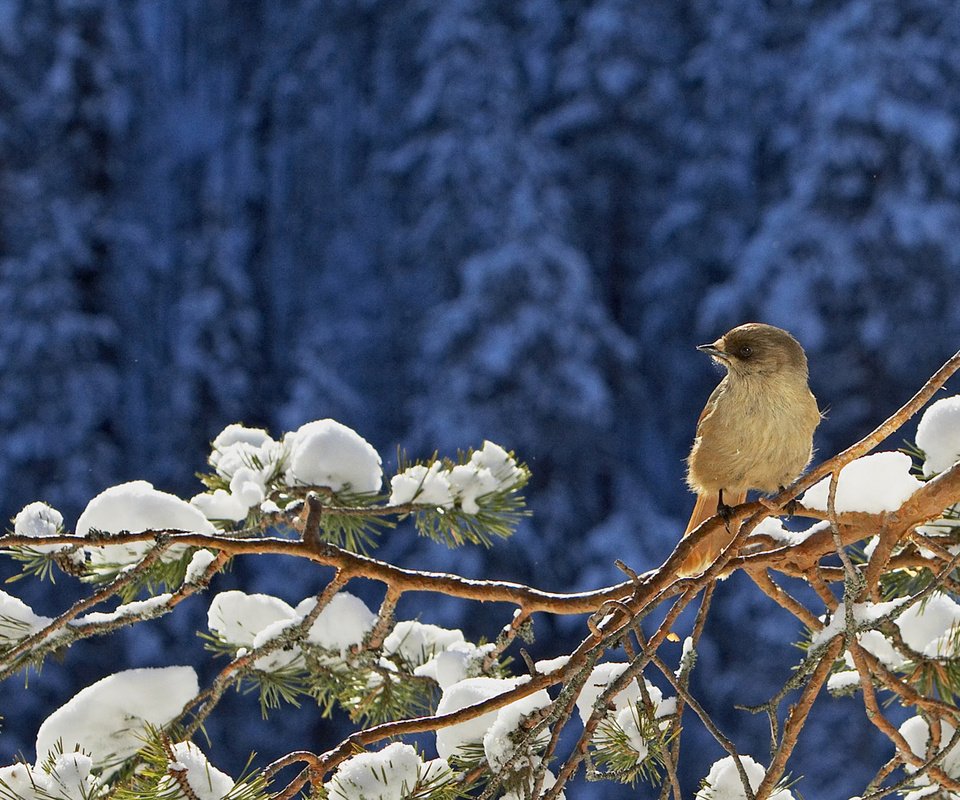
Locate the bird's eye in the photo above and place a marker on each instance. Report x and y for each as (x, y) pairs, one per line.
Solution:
(745, 352)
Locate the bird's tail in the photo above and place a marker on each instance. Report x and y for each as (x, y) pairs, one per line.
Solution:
(709, 547)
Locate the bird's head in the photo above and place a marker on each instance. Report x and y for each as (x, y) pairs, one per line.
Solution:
(757, 349)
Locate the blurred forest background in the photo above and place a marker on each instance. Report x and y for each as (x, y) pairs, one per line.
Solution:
(440, 221)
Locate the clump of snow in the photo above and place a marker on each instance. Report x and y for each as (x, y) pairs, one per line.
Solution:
(327, 453)
(343, 623)
(220, 504)
(469, 483)
(499, 462)
(138, 608)
(251, 620)
(248, 458)
(416, 642)
(723, 782)
(237, 617)
(548, 665)
(468, 692)
(601, 677)
(66, 778)
(427, 486)
(498, 744)
(458, 661)
(628, 721)
(938, 435)
(388, 774)
(18, 620)
(135, 507)
(863, 614)
(490, 469)
(929, 628)
(198, 565)
(205, 780)
(774, 528)
(109, 718)
(875, 483)
(843, 681)
(917, 733)
(39, 519)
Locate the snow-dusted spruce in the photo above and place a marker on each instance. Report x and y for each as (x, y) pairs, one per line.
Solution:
(887, 622)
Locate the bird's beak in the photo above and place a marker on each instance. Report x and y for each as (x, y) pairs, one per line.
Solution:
(714, 350)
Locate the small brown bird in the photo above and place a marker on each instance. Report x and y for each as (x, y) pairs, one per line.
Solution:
(756, 431)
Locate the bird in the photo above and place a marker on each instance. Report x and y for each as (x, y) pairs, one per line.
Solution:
(755, 432)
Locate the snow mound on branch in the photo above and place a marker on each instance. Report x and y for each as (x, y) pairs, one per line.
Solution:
(427, 486)
(875, 483)
(454, 663)
(387, 774)
(328, 453)
(917, 733)
(252, 620)
(205, 780)
(938, 435)
(17, 619)
(417, 642)
(468, 692)
(237, 617)
(498, 744)
(601, 677)
(723, 782)
(135, 507)
(249, 459)
(109, 718)
(39, 519)
(67, 778)
(342, 624)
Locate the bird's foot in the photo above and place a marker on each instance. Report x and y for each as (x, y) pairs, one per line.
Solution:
(791, 505)
(724, 511)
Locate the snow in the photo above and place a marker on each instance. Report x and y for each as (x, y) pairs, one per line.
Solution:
(198, 565)
(205, 780)
(387, 774)
(416, 642)
(938, 435)
(238, 617)
(39, 519)
(548, 665)
(843, 680)
(468, 692)
(427, 486)
(498, 744)
(469, 483)
(252, 620)
(249, 459)
(628, 720)
(17, 619)
(454, 663)
(343, 623)
(135, 507)
(489, 470)
(863, 615)
(774, 528)
(108, 719)
(500, 463)
(723, 782)
(600, 678)
(917, 733)
(67, 778)
(875, 483)
(220, 504)
(327, 453)
(134, 609)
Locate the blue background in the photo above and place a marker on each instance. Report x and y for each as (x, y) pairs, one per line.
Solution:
(440, 222)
